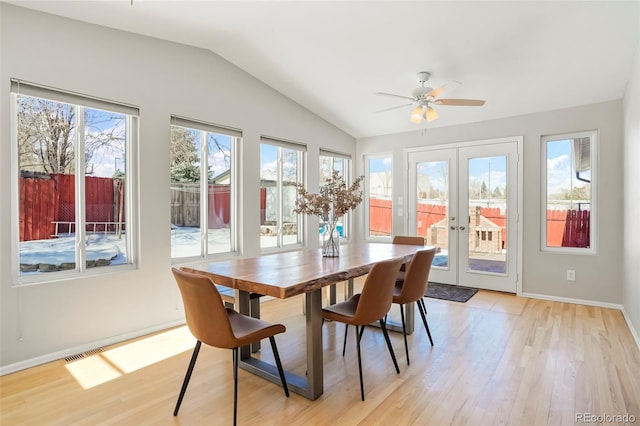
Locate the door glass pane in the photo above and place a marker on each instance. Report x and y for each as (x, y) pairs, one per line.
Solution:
(185, 192)
(487, 193)
(432, 207)
(104, 153)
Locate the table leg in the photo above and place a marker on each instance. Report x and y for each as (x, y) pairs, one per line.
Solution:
(311, 386)
(313, 304)
(243, 304)
(332, 294)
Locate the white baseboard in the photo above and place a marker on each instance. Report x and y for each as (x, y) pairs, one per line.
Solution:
(632, 329)
(574, 301)
(11, 368)
(617, 306)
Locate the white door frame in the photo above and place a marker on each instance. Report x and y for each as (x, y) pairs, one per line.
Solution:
(519, 225)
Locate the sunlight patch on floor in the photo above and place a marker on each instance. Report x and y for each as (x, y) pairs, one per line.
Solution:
(113, 363)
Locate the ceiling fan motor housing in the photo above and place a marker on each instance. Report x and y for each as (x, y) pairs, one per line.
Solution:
(420, 92)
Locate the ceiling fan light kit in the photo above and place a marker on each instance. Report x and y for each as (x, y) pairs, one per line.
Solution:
(425, 96)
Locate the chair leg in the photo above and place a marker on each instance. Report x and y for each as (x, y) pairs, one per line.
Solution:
(194, 356)
(423, 313)
(359, 362)
(276, 355)
(383, 326)
(404, 333)
(235, 352)
(344, 344)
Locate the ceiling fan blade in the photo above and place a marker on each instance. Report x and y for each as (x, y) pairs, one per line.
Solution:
(409, 98)
(459, 102)
(439, 90)
(392, 108)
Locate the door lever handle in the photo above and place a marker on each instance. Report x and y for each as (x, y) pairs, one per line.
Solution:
(453, 228)
(462, 228)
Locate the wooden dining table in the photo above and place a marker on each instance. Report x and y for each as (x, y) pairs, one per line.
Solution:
(288, 274)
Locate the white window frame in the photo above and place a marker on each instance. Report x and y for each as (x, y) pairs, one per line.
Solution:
(593, 240)
(236, 139)
(347, 221)
(79, 102)
(367, 186)
(301, 156)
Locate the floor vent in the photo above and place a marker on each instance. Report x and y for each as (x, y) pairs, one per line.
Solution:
(76, 357)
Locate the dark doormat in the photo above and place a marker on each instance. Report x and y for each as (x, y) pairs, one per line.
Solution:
(454, 293)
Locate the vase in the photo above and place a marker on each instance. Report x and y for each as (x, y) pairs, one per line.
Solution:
(330, 240)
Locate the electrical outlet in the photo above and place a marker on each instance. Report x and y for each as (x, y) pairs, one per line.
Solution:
(571, 275)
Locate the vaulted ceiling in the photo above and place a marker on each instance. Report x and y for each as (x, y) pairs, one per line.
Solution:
(330, 57)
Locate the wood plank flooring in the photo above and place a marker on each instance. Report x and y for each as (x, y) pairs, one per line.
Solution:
(497, 359)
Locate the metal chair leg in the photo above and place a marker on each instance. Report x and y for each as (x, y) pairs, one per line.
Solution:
(383, 326)
(236, 361)
(344, 344)
(359, 363)
(185, 383)
(423, 313)
(404, 333)
(276, 355)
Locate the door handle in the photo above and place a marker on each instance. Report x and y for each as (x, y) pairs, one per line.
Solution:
(453, 228)
(462, 228)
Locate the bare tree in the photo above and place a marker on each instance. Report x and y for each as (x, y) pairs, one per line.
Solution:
(46, 131)
(47, 135)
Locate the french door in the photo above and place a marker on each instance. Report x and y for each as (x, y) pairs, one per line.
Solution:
(464, 200)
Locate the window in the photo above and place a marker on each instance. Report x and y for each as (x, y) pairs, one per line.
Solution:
(202, 168)
(330, 161)
(569, 209)
(74, 182)
(379, 188)
(280, 171)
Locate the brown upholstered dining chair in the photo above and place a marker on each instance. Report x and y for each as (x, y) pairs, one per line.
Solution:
(212, 323)
(409, 240)
(412, 287)
(372, 304)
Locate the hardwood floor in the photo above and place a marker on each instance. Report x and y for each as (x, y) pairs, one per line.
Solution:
(497, 359)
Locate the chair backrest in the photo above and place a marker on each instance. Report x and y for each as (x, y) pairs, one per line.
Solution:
(204, 309)
(377, 292)
(416, 277)
(404, 239)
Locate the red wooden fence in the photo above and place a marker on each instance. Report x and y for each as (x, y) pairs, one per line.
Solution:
(38, 208)
(47, 200)
(379, 216)
(428, 214)
(565, 228)
(219, 205)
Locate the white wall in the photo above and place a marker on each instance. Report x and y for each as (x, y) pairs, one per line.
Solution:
(631, 287)
(598, 277)
(162, 79)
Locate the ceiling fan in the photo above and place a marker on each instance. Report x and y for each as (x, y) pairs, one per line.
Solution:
(425, 97)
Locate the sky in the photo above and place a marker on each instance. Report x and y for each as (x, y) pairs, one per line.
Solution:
(491, 170)
(560, 172)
